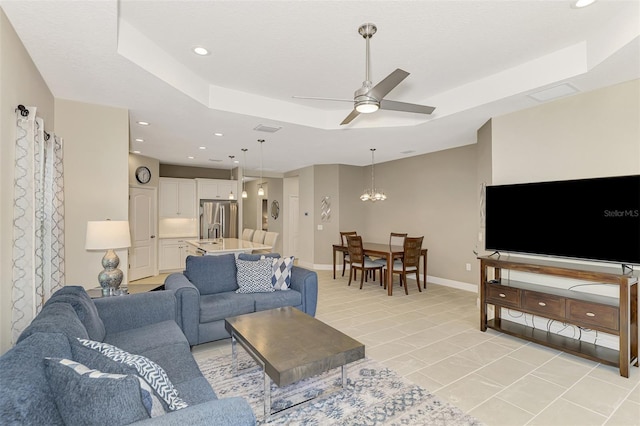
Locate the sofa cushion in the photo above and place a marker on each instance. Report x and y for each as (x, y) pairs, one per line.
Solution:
(143, 339)
(87, 312)
(216, 307)
(56, 318)
(89, 397)
(281, 278)
(196, 390)
(254, 276)
(151, 372)
(25, 396)
(277, 299)
(212, 274)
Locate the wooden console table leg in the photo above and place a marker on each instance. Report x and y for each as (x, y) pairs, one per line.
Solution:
(483, 305)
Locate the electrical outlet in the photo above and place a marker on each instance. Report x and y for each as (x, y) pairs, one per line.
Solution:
(480, 236)
(468, 266)
(320, 227)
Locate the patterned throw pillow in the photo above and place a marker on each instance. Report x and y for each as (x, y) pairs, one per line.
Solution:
(281, 278)
(151, 372)
(254, 276)
(87, 396)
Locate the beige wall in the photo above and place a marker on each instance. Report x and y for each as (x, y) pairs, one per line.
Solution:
(96, 145)
(483, 151)
(326, 184)
(20, 83)
(434, 196)
(587, 135)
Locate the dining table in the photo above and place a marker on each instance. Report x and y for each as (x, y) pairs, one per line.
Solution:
(386, 251)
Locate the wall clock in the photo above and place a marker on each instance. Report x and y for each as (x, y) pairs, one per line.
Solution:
(143, 174)
(275, 209)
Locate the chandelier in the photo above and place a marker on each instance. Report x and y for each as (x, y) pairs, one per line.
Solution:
(231, 196)
(244, 169)
(373, 194)
(260, 188)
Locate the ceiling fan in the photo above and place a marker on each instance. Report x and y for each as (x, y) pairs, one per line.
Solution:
(370, 98)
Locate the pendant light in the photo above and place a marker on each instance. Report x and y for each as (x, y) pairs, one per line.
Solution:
(260, 188)
(244, 169)
(373, 194)
(231, 196)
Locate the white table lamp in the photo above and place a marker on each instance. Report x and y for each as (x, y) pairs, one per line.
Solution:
(108, 235)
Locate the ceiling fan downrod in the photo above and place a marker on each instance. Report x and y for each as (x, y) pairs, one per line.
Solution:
(363, 103)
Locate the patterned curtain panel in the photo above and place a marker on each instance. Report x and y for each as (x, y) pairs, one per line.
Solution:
(38, 219)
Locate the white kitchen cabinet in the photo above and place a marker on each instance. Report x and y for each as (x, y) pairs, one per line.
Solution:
(216, 189)
(177, 198)
(173, 252)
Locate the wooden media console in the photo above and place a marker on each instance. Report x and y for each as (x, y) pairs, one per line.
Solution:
(616, 316)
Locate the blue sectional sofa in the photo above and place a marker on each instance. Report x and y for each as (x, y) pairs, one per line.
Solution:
(36, 390)
(206, 294)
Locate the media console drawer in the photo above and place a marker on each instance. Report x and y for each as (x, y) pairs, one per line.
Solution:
(544, 304)
(592, 313)
(503, 296)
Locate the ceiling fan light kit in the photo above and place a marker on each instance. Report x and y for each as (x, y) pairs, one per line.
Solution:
(370, 98)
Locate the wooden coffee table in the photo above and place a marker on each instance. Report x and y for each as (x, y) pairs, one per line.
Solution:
(290, 346)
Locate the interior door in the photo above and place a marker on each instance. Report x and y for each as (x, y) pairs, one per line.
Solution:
(142, 221)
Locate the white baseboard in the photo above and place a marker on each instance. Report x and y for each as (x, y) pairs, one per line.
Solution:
(430, 278)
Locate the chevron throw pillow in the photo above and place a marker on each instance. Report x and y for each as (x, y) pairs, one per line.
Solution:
(254, 276)
(281, 279)
(151, 372)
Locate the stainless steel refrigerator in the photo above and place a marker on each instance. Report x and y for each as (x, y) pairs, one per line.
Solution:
(218, 219)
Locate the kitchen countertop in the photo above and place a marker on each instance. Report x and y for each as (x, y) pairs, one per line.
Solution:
(226, 245)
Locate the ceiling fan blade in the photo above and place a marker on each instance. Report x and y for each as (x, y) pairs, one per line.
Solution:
(403, 106)
(323, 99)
(381, 89)
(353, 114)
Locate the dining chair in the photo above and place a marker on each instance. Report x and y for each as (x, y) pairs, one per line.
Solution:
(395, 239)
(357, 260)
(343, 241)
(247, 234)
(270, 239)
(258, 236)
(410, 262)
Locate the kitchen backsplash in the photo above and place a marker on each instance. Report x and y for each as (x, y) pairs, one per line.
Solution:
(177, 228)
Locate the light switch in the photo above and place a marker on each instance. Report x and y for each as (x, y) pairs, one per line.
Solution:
(320, 227)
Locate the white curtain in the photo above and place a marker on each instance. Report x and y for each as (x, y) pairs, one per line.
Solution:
(38, 219)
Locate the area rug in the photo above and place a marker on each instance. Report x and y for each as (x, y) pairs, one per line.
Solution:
(374, 395)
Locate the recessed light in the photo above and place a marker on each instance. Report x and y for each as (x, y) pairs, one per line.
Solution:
(136, 152)
(139, 140)
(203, 147)
(190, 157)
(578, 4)
(218, 134)
(236, 162)
(142, 123)
(199, 50)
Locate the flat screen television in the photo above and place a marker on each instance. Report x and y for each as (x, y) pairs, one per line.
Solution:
(595, 219)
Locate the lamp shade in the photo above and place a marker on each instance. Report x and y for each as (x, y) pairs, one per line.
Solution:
(107, 234)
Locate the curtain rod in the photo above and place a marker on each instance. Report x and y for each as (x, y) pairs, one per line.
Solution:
(25, 113)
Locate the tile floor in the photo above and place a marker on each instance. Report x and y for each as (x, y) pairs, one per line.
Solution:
(432, 338)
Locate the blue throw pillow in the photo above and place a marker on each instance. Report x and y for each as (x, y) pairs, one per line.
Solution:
(281, 278)
(89, 397)
(151, 372)
(254, 276)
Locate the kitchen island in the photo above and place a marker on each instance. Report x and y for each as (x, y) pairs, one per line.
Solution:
(212, 247)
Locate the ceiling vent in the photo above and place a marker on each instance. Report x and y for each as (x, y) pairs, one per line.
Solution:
(555, 92)
(268, 129)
